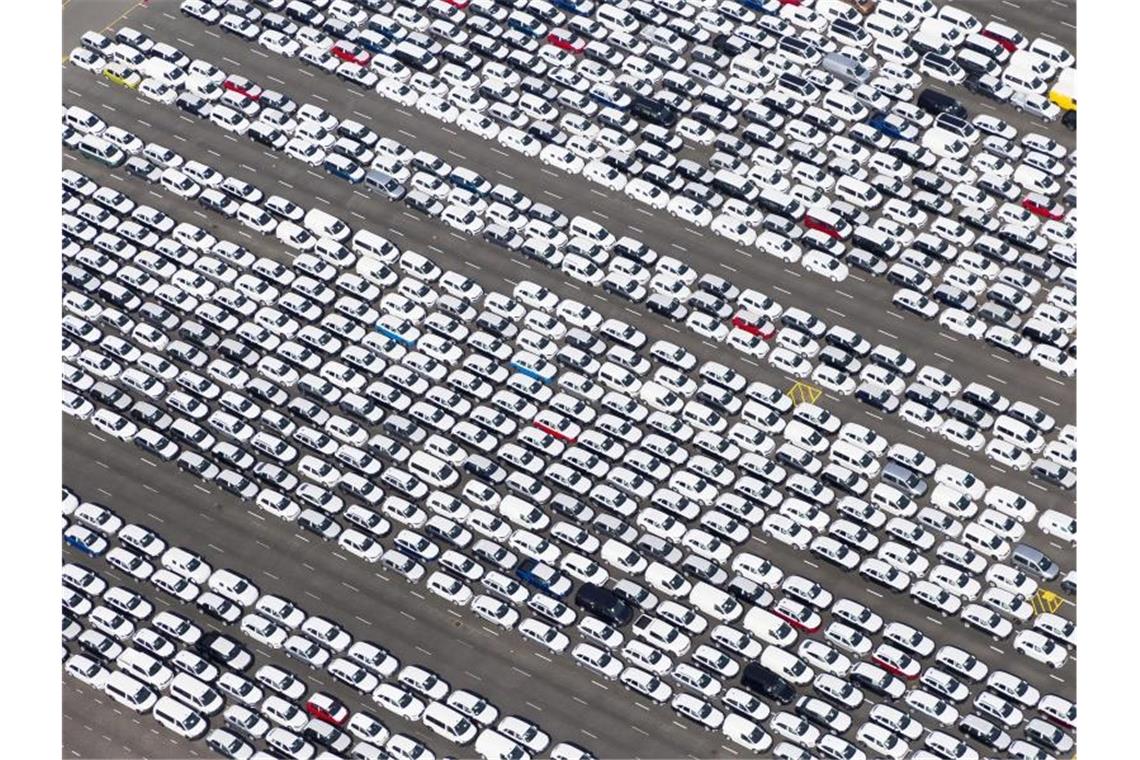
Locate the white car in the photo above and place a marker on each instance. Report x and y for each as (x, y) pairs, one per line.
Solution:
(561, 158)
(605, 175)
(1039, 647)
(1059, 525)
(824, 264)
(962, 322)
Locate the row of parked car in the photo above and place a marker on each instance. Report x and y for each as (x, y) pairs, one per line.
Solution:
(1004, 321)
(525, 294)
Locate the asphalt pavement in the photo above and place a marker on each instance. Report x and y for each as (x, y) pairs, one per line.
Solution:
(508, 672)
(863, 304)
(416, 627)
(493, 268)
(568, 702)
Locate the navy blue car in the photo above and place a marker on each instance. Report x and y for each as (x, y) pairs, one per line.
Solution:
(543, 577)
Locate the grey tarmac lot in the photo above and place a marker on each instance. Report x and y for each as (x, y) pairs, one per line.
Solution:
(502, 667)
(864, 305)
(319, 578)
(491, 267)
(95, 727)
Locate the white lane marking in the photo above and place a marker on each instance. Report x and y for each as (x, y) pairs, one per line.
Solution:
(520, 671)
(997, 379)
(96, 437)
(944, 357)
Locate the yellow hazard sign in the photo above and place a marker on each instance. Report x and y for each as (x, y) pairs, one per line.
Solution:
(1046, 601)
(801, 393)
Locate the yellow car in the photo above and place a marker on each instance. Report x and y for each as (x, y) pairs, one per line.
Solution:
(121, 74)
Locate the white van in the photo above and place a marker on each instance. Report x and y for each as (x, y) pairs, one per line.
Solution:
(448, 723)
(590, 229)
(144, 667)
(130, 692)
(855, 458)
(714, 602)
(1018, 433)
(433, 470)
(896, 50)
(953, 501)
(890, 499)
(1011, 503)
(769, 628)
(615, 19)
(179, 718)
(857, 192)
(101, 150)
(323, 224)
(751, 69)
(198, 695)
(786, 664)
(521, 512)
(491, 745)
(83, 121)
(164, 71)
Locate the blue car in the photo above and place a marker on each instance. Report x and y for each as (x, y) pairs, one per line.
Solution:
(543, 577)
(579, 7)
(393, 335)
(893, 126)
(524, 370)
(85, 540)
(344, 167)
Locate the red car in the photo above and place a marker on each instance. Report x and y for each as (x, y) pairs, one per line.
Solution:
(896, 662)
(753, 323)
(327, 708)
(555, 424)
(829, 224)
(1003, 38)
(1042, 206)
(460, 4)
(242, 86)
(799, 616)
(566, 40)
(346, 51)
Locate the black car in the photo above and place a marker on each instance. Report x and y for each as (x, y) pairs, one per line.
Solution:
(1070, 120)
(748, 592)
(878, 397)
(987, 86)
(547, 133)
(217, 607)
(666, 306)
(194, 105)
(110, 396)
(765, 683)
(224, 650)
(143, 169)
(502, 236)
(319, 524)
(423, 203)
(984, 732)
(150, 415)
